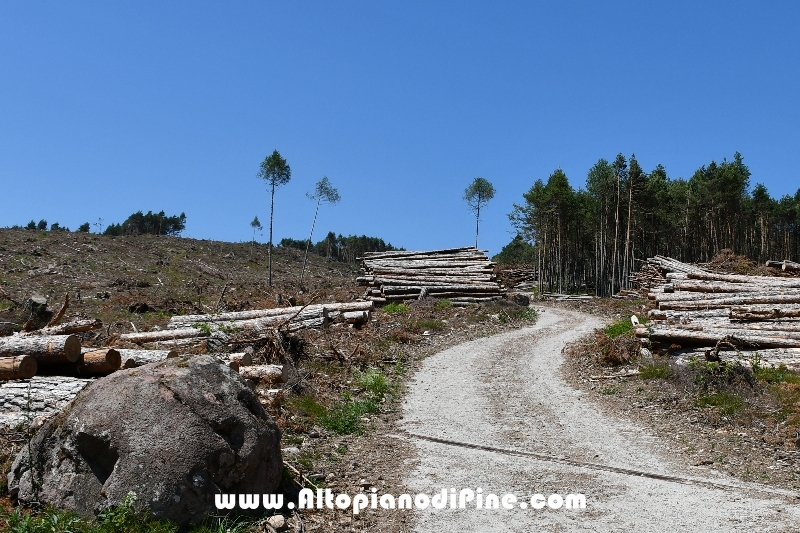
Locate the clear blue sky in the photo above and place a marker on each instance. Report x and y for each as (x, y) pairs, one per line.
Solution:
(107, 108)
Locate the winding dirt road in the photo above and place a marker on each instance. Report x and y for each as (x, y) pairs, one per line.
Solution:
(496, 414)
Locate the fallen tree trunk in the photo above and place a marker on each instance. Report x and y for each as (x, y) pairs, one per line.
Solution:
(265, 373)
(17, 367)
(100, 361)
(134, 358)
(47, 349)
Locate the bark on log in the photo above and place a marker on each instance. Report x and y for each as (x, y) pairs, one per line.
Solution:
(47, 349)
(134, 358)
(17, 367)
(67, 328)
(356, 317)
(23, 401)
(265, 373)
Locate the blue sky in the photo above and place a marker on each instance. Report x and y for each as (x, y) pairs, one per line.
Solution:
(107, 108)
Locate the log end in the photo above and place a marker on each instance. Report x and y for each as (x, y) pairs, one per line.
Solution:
(72, 349)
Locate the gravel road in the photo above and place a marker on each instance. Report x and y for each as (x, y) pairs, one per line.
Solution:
(495, 413)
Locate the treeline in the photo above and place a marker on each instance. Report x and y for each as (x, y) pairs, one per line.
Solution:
(592, 239)
(341, 248)
(55, 226)
(149, 224)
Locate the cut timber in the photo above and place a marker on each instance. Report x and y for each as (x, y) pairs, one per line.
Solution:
(241, 358)
(24, 401)
(99, 361)
(47, 349)
(718, 303)
(67, 328)
(17, 367)
(183, 320)
(710, 338)
(737, 278)
(163, 335)
(761, 313)
(134, 358)
(356, 317)
(265, 373)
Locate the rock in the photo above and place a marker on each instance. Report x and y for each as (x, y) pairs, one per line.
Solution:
(36, 303)
(276, 521)
(519, 298)
(646, 356)
(174, 433)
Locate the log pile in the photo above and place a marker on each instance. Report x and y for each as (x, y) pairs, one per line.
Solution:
(785, 265)
(518, 278)
(699, 308)
(462, 275)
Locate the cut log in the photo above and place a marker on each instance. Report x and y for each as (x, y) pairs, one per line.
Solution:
(17, 367)
(737, 278)
(761, 313)
(67, 328)
(134, 358)
(718, 303)
(356, 317)
(163, 335)
(185, 320)
(710, 338)
(24, 401)
(99, 362)
(47, 349)
(241, 358)
(265, 373)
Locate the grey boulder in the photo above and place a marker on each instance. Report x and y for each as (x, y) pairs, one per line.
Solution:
(174, 433)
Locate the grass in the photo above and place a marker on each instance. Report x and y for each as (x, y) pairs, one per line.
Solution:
(344, 416)
(395, 308)
(655, 371)
(443, 304)
(430, 324)
(611, 389)
(621, 327)
(123, 518)
(727, 403)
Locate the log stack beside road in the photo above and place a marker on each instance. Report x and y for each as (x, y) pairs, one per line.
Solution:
(462, 275)
(696, 307)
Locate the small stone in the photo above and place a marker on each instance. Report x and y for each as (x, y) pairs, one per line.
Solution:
(277, 521)
(292, 450)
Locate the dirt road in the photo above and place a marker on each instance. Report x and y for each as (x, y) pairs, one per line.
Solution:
(496, 414)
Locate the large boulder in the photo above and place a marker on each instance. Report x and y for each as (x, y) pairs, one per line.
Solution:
(175, 433)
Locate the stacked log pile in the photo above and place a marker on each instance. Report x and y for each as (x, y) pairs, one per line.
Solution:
(785, 266)
(518, 278)
(462, 275)
(699, 308)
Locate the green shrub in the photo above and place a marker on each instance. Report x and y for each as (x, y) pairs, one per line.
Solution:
(395, 308)
(429, 324)
(444, 304)
(727, 402)
(655, 371)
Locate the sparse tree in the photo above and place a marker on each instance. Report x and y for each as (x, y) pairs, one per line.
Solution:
(477, 195)
(42, 225)
(256, 225)
(83, 228)
(31, 225)
(324, 192)
(275, 172)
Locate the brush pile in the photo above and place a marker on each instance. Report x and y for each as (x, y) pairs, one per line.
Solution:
(462, 275)
(748, 314)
